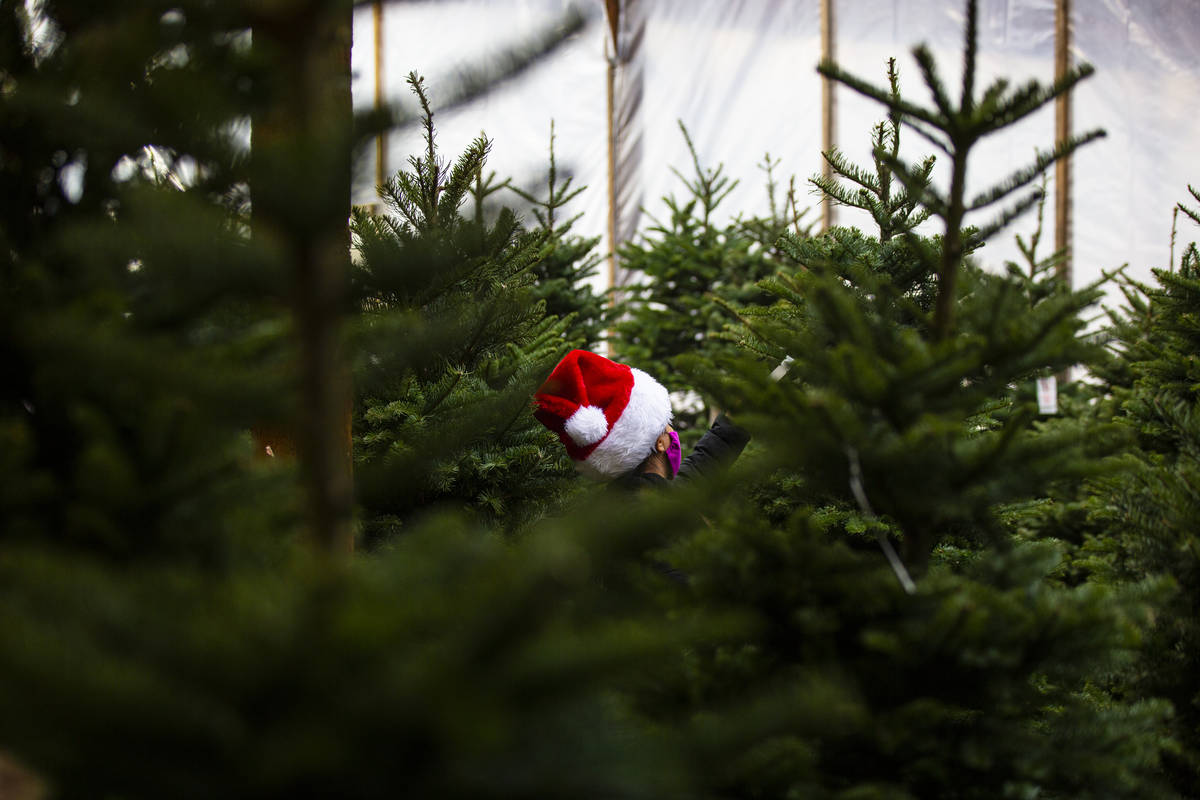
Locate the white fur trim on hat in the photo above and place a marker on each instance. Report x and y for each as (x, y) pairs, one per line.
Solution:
(634, 433)
(586, 426)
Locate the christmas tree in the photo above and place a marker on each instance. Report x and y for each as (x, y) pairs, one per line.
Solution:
(562, 276)
(180, 616)
(445, 414)
(1148, 518)
(908, 639)
(681, 267)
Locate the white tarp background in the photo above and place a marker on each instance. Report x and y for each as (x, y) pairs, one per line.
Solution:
(1144, 94)
(1016, 41)
(741, 76)
(438, 38)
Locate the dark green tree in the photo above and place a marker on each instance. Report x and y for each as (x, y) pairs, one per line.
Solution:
(140, 350)
(562, 273)
(454, 341)
(678, 270)
(894, 209)
(961, 665)
(177, 617)
(1151, 516)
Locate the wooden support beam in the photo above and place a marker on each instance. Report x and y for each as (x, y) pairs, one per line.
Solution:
(613, 7)
(828, 107)
(380, 140)
(612, 172)
(1062, 127)
(613, 10)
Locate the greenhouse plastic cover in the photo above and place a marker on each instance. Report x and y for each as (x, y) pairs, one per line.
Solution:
(740, 75)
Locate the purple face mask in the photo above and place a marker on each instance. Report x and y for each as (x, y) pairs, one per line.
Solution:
(674, 453)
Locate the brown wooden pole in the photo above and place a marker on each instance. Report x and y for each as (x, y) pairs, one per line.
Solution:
(828, 108)
(1062, 125)
(381, 139)
(613, 9)
(612, 177)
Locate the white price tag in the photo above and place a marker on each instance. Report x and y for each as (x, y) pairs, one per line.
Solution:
(1047, 394)
(782, 369)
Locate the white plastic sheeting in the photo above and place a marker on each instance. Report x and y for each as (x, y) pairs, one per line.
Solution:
(440, 38)
(741, 76)
(1144, 94)
(1016, 41)
(1146, 84)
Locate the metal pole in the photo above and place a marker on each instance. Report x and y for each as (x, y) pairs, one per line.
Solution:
(828, 108)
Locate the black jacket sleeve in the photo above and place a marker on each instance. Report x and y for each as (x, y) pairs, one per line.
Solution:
(717, 449)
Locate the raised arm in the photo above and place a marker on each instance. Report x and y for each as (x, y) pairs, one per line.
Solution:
(717, 449)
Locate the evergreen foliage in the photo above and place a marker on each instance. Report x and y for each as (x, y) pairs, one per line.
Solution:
(680, 267)
(454, 341)
(982, 684)
(955, 130)
(1152, 516)
(893, 213)
(562, 274)
(967, 667)
(138, 350)
(168, 629)
(453, 665)
(171, 627)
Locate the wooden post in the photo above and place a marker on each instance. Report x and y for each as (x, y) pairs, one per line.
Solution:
(828, 108)
(612, 177)
(613, 7)
(1062, 125)
(381, 139)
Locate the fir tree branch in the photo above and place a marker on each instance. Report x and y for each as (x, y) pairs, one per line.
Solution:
(852, 172)
(1027, 175)
(1007, 216)
(916, 182)
(474, 81)
(864, 505)
(466, 170)
(992, 96)
(1030, 98)
(966, 101)
(937, 89)
(1189, 213)
(941, 144)
(909, 111)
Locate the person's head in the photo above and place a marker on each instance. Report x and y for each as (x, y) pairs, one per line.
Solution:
(665, 457)
(609, 416)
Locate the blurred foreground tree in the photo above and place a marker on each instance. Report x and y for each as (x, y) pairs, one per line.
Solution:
(167, 627)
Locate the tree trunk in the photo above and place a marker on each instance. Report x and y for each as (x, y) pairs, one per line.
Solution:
(300, 191)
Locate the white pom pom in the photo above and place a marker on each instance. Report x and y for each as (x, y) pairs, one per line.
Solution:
(587, 426)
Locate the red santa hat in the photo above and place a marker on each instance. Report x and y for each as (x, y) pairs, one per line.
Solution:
(607, 414)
